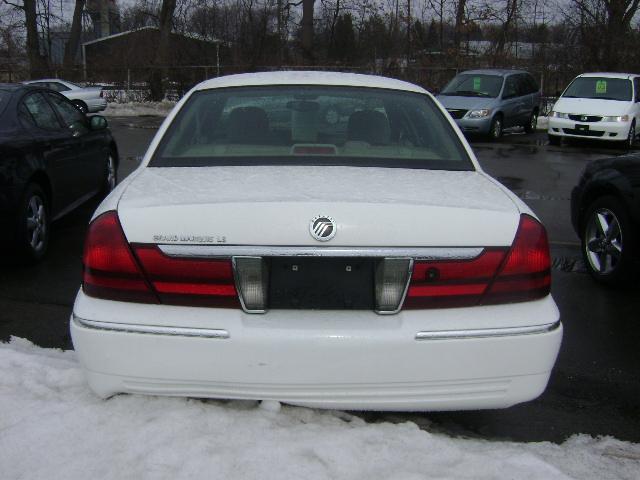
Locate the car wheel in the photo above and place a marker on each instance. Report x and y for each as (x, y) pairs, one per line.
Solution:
(555, 140)
(631, 137)
(81, 106)
(33, 224)
(111, 174)
(533, 123)
(607, 241)
(495, 131)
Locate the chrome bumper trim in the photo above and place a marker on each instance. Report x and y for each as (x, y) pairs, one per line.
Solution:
(418, 253)
(151, 329)
(487, 332)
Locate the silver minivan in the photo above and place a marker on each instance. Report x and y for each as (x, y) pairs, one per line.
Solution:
(487, 101)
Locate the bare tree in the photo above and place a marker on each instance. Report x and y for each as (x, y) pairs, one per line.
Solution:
(71, 47)
(161, 63)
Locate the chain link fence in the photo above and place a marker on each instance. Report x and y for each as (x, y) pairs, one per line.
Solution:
(123, 84)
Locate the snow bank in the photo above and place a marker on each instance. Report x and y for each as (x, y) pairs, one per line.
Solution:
(51, 426)
(132, 109)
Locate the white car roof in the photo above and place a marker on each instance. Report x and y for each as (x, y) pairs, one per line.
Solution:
(308, 78)
(608, 75)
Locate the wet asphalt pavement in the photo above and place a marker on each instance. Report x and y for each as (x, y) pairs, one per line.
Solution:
(595, 387)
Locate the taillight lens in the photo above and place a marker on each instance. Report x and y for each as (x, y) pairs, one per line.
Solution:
(188, 281)
(498, 275)
(110, 269)
(526, 273)
(114, 270)
(454, 283)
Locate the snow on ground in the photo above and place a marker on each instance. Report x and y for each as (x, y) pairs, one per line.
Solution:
(52, 426)
(132, 109)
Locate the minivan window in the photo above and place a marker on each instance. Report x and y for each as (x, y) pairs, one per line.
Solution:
(603, 88)
(511, 88)
(311, 125)
(474, 85)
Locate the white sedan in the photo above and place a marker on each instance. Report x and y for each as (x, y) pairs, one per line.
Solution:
(320, 239)
(86, 99)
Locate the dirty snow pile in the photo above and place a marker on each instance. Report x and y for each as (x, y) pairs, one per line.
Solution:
(133, 109)
(52, 426)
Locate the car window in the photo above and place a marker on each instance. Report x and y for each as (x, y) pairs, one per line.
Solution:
(532, 83)
(511, 87)
(473, 85)
(58, 87)
(41, 111)
(311, 125)
(70, 115)
(636, 86)
(604, 88)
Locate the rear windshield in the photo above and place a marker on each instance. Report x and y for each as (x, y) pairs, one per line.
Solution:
(600, 88)
(306, 125)
(471, 85)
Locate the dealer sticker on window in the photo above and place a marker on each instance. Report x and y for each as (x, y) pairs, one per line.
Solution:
(601, 86)
(476, 83)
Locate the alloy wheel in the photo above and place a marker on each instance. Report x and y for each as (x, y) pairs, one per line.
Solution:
(36, 223)
(111, 173)
(603, 241)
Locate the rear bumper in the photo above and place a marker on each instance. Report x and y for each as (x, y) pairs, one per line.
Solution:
(96, 105)
(418, 360)
(611, 131)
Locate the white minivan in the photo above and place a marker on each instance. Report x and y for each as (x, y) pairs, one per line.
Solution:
(603, 106)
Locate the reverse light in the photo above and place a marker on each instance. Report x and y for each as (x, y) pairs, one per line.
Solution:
(391, 282)
(252, 280)
(482, 113)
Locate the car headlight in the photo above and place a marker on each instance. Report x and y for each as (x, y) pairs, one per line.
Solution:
(555, 114)
(484, 112)
(621, 118)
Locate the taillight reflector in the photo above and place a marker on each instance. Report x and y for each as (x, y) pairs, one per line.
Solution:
(452, 283)
(110, 269)
(498, 275)
(188, 281)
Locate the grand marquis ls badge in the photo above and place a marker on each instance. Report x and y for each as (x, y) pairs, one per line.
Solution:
(322, 228)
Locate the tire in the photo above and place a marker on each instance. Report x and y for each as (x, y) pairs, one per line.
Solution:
(609, 246)
(33, 228)
(555, 140)
(111, 174)
(495, 130)
(533, 122)
(80, 105)
(631, 136)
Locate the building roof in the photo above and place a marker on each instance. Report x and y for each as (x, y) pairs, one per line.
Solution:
(308, 78)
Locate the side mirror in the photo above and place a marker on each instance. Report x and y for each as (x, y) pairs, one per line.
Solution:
(98, 122)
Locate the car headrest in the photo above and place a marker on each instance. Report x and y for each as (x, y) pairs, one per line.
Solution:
(369, 126)
(248, 125)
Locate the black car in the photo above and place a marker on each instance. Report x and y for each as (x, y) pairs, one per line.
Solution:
(605, 211)
(52, 159)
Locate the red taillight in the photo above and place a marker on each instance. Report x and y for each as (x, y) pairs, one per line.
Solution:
(455, 283)
(114, 270)
(498, 275)
(110, 269)
(526, 273)
(188, 281)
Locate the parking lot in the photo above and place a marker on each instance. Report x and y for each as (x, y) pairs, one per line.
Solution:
(595, 388)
